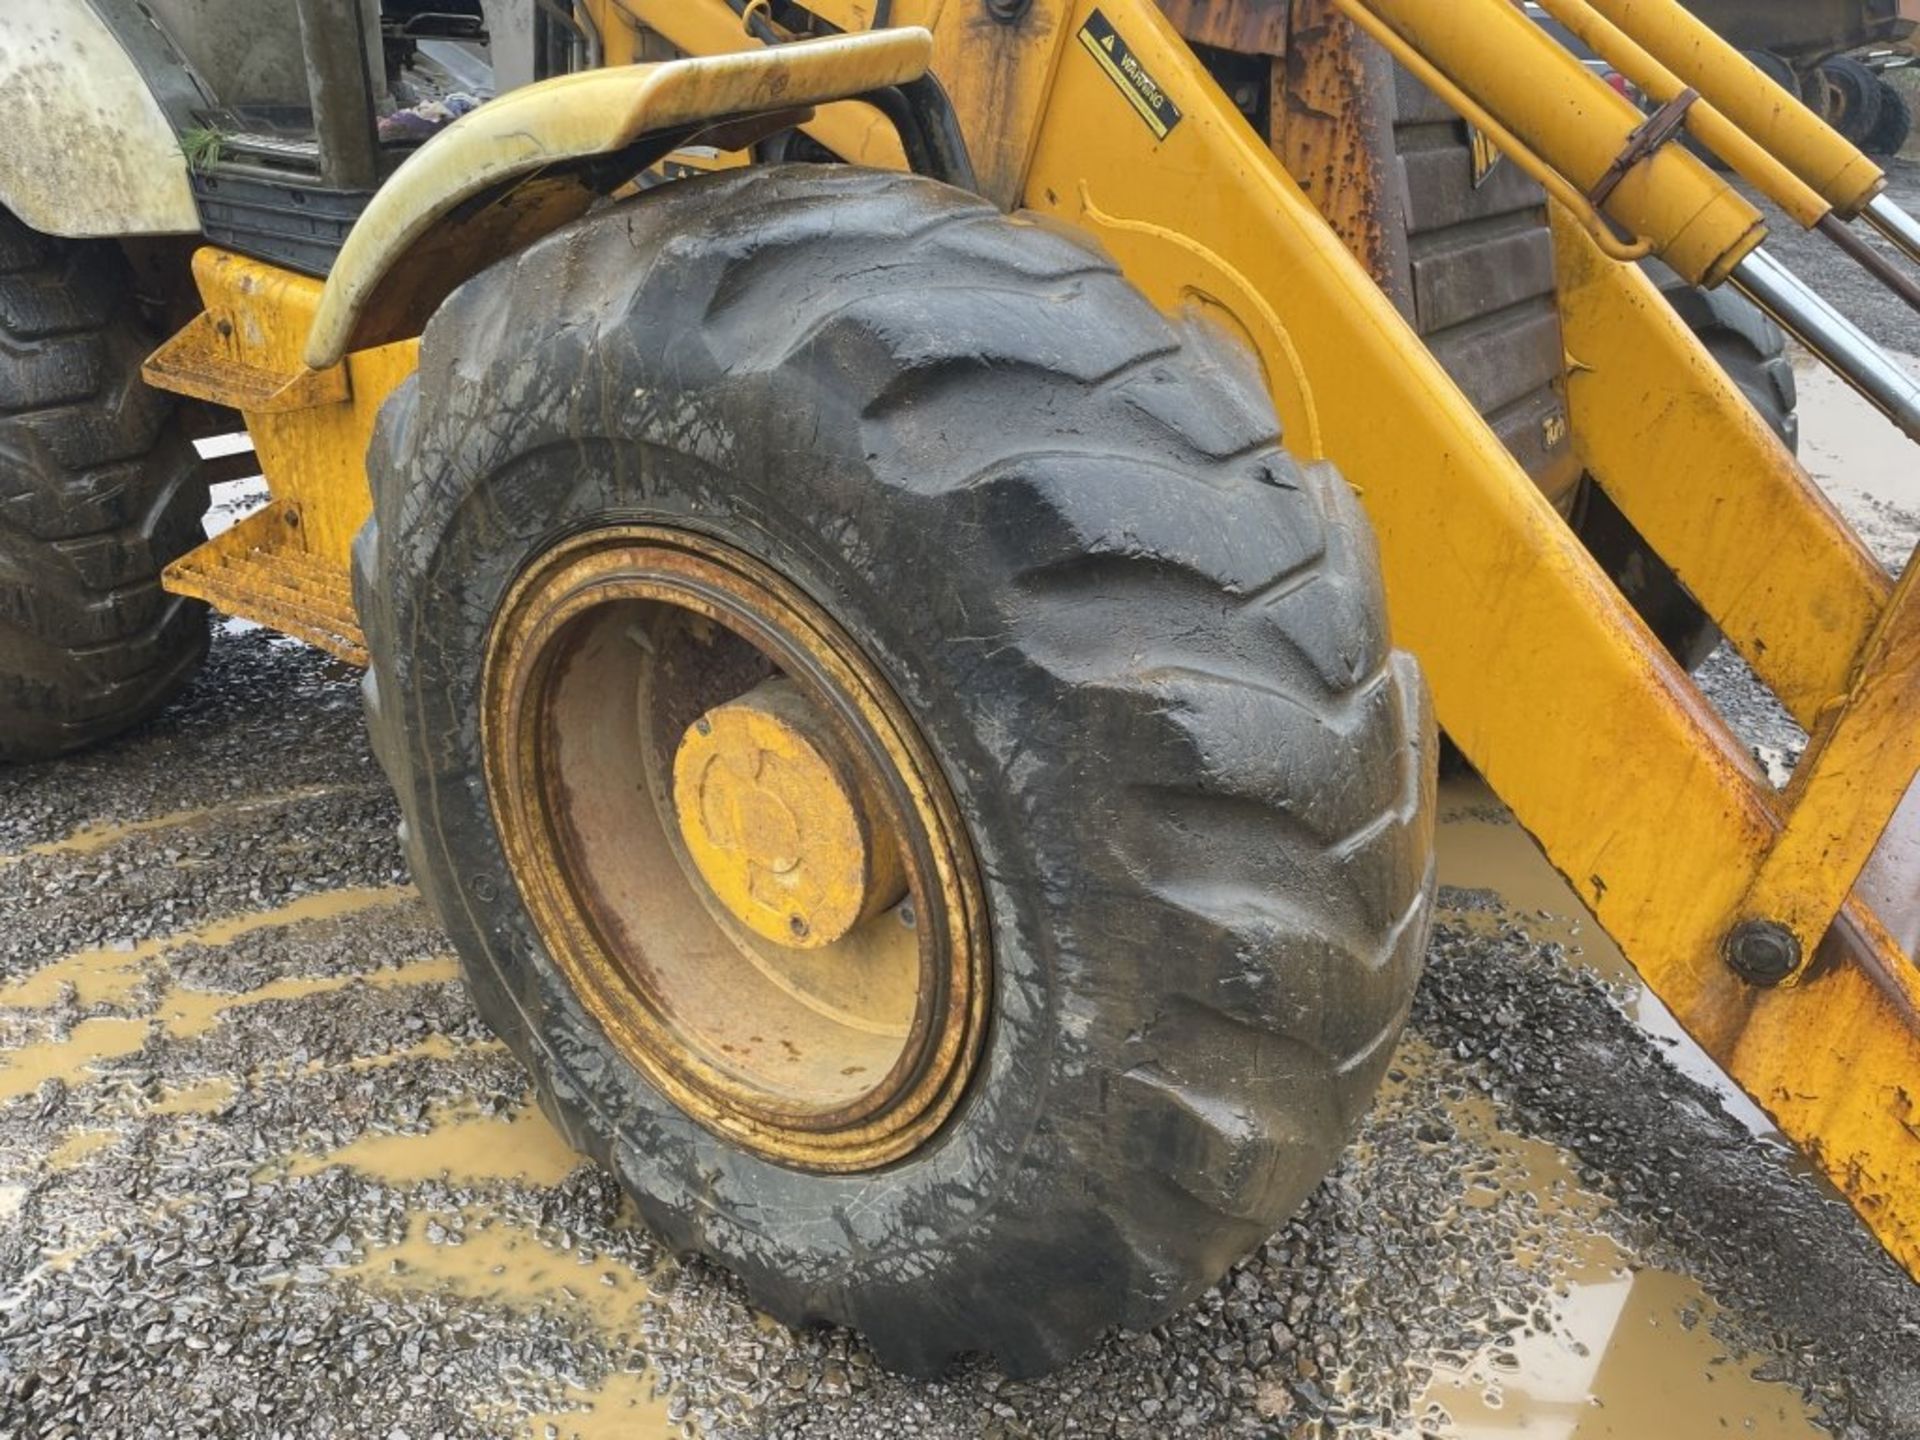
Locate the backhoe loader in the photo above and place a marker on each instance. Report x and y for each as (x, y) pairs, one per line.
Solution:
(917, 746)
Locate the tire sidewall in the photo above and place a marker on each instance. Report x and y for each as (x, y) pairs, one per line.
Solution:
(814, 1231)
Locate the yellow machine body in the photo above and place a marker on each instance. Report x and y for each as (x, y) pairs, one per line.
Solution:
(1096, 114)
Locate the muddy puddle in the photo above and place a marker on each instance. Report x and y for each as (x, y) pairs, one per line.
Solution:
(109, 974)
(98, 836)
(1869, 468)
(459, 1144)
(1485, 855)
(1608, 1348)
(76, 1018)
(1627, 1355)
(486, 1260)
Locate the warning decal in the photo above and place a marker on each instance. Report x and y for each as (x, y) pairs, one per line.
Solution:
(1486, 156)
(1110, 52)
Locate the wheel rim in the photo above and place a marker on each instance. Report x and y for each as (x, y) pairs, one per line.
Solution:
(736, 846)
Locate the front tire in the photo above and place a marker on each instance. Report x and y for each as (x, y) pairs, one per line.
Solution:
(1147, 651)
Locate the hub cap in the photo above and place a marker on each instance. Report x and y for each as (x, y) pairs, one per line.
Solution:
(773, 813)
(736, 846)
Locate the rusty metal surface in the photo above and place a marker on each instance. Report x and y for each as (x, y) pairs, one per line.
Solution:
(837, 1057)
(1248, 27)
(1333, 125)
(262, 569)
(211, 359)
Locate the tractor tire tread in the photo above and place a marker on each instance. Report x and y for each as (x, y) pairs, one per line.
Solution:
(1894, 128)
(1165, 637)
(99, 491)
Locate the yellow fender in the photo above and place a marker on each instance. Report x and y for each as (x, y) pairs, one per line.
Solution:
(509, 172)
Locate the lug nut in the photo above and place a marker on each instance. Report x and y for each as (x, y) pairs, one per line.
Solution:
(1763, 952)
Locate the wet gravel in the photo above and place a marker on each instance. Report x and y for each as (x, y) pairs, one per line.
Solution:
(201, 1273)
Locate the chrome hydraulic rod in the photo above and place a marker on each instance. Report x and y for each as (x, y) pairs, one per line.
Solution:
(1894, 223)
(1838, 342)
(1747, 156)
(1857, 248)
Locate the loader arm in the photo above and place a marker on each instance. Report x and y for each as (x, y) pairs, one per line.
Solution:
(1096, 112)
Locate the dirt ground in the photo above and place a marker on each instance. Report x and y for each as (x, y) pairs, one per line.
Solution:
(262, 1172)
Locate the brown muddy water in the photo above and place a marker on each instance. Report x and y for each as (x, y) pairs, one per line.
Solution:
(1625, 1350)
(1867, 466)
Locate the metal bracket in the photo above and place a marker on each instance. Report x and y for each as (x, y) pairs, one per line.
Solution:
(1661, 126)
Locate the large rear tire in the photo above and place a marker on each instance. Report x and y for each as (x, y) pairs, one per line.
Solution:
(1895, 126)
(99, 490)
(1146, 651)
(1853, 96)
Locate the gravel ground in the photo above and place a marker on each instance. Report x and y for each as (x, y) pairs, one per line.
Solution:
(222, 1206)
(262, 1173)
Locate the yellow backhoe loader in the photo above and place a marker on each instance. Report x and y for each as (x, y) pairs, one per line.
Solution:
(935, 788)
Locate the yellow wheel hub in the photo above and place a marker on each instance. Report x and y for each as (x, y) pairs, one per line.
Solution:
(771, 812)
(736, 847)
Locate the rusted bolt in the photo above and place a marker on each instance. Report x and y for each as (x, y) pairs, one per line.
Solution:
(1763, 952)
(798, 926)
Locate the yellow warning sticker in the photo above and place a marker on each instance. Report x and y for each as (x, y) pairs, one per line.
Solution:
(1123, 67)
(1486, 155)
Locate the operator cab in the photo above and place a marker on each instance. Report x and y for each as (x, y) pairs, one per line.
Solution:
(292, 112)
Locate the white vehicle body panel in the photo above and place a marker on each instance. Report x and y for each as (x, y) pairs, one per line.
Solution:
(84, 147)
